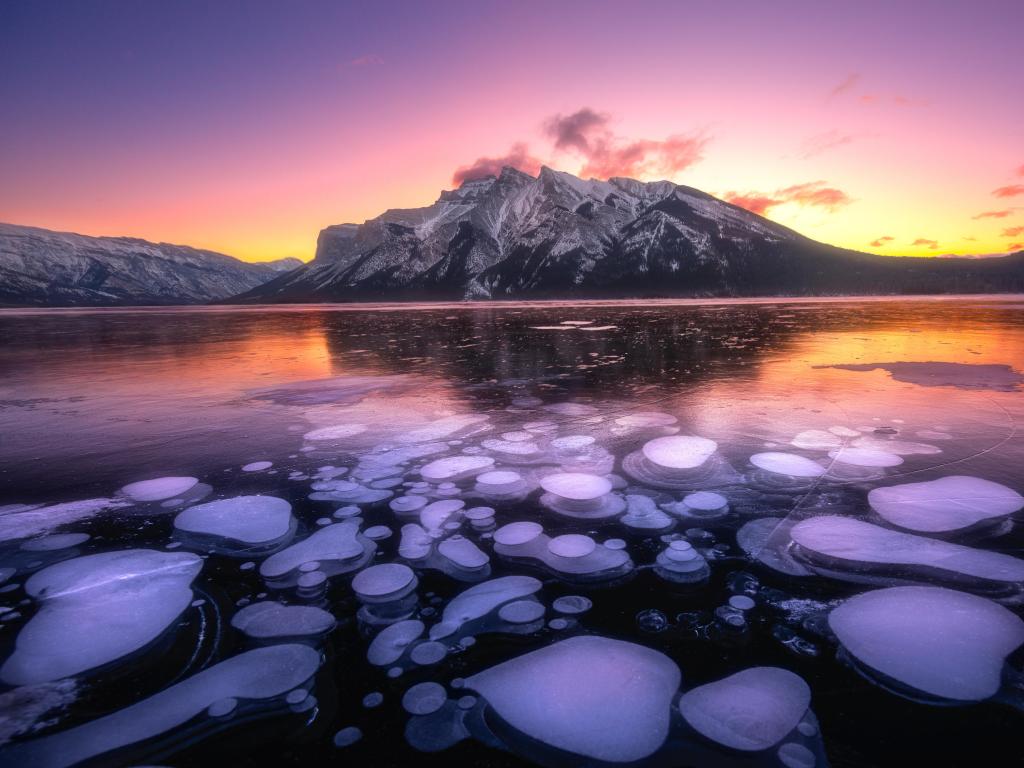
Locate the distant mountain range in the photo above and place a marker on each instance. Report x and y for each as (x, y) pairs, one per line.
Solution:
(510, 236)
(43, 268)
(556, 235)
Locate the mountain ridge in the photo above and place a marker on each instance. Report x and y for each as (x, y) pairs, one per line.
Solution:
(41, 267)
(555, 235)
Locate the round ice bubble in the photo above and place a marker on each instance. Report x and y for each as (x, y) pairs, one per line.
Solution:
(571, 545)
(337, 432)
(382, 581)
(679, 452)
(159, 488)
(789, 464)
(424, 698)
(865, 457)
(577, 486)
(521, 612)
(454, 467)
(518, 533)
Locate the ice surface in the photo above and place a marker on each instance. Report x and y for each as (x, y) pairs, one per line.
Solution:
(948, 504)
(789, 464)
(267, 620)
(591, 696)
(678, 452)
(244, 519)
(851, 544)
(159, 488)
(751, 710)
(97, 609)
(935, 374)
(260, 674)
(947, 644)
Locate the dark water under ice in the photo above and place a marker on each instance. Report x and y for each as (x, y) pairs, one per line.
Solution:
(91, 401)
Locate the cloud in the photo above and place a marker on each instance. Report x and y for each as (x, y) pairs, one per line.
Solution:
(881, 241)
(1013, 232)
(846, 85)
(518, 156)
(587, 133)
(1020, 171)
(1009, 191)
(823, 142)
(811, 193)
(994, 214)
(932, 244)
(1015, 247)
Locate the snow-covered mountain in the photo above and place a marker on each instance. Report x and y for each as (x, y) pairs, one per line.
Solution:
(557, 235)
(45, 268)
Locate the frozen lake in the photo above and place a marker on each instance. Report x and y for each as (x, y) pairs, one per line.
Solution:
(669, 533)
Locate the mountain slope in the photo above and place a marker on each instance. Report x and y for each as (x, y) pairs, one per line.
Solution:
(44, 268)
(557, 235)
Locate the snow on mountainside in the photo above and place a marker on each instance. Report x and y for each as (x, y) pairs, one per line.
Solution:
(44, 268)
(556, 235)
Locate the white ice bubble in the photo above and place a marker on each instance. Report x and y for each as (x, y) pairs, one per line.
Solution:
(428, 653)
(572, 605)
(455, 467)
(384, 582)
(260, 674)
(679, 452)
(571, 545)
(865, 457)
(336, 432)
(97, 609)
(54, 542)
(336, 547)
(576, 486)
(599, 698)
(267, 620)
(159, 488)
(789, 464)
(518, 533)
(521, 612)
(251, 520)
(424, 698)
(393, 641)
(751, 710)
(947, 644)
(817, 440)
(480, 599)
(646, 419)
(572, 442)
(257, 466)
(462, 552)
(948, 504)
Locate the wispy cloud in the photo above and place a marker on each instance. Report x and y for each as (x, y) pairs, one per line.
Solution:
(1011, 190)
(846, 85)
(881, 241)
(518, 156)
(1015, 247)
(994, 214)
(367, 60)
(932, 244)
(1013, 232)
(588, 134)
(811, 193)
(823, 142)
(849, 87)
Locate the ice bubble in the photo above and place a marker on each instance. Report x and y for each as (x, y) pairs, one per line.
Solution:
(517, 437)
(571, 409)
(348, 736)
(373, 700)
(854, 549)
(521, 612)
(478, 514)
(260, 674)
(751, 710)
(223, 707)
(518, 533)
(428, 653)
(741, 603)
(572, 442)
(269, 620)
(679, 562)
(463, 553)
(841, 431)
(408, 505)
(339, 548)
(479, 600)
(242, 520)
(416, 543)
(512, 449)
(378, 532)
(54, 542)
(899, 447)
(159, 488)
(865, 457)
(434, 516)
(642, 514)
(99, 608)
(20, 521)
(579, 494)
(794, 755)
(645, 419)
(616, 544)
(572, 605)
(599, 698)
(501, 483)
(571, 545)
(424, 698)
(789, 464)
(679, 452)
(951, 503)
(946, 644)
(384, 583)
(443, 428)
(393, 641)
(257, 466)
(455, 467)
(817, 440)
(767, 540)
(703, 505)
(336, 432)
